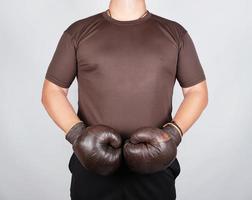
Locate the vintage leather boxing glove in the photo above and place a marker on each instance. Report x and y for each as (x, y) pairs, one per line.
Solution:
(150, 150)
(97, 147)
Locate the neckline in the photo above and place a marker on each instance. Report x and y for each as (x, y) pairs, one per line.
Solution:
(126, 22)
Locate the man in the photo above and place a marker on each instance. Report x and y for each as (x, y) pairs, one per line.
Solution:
(126, 60)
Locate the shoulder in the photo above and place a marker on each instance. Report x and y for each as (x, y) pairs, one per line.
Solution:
(172, 24)
(175, 28)
(77, 27)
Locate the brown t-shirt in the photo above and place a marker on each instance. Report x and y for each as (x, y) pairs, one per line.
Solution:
(126, 70)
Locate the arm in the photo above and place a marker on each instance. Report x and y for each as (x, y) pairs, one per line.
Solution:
(195, 101)
(59, 76)
(192, 79)
(54, 99)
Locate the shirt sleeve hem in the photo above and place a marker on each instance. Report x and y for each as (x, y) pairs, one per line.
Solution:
(192, 83)
(54, 80)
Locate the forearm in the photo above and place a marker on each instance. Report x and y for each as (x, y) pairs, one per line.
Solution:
(190, 109)
(59, 108)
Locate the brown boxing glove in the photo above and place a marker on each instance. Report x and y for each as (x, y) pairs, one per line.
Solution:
(97, 147)
(150, 150)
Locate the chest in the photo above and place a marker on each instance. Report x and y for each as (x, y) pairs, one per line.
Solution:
(127, 55)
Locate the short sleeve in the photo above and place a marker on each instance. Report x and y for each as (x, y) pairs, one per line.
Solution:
(62, 68)
(189, 69)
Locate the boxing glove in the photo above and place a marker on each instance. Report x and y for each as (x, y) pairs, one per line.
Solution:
(97, 147)
(150, 150)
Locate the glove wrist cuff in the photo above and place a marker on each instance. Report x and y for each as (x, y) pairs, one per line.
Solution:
(173, 123)
(174, 130)
(75, 132)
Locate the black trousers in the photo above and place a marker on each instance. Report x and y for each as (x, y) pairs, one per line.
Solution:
(123, 185)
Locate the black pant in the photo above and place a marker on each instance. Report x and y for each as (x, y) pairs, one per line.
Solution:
(123, 185)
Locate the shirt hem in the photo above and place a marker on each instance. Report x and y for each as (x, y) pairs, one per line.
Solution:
(192, 83)
(56, 81)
